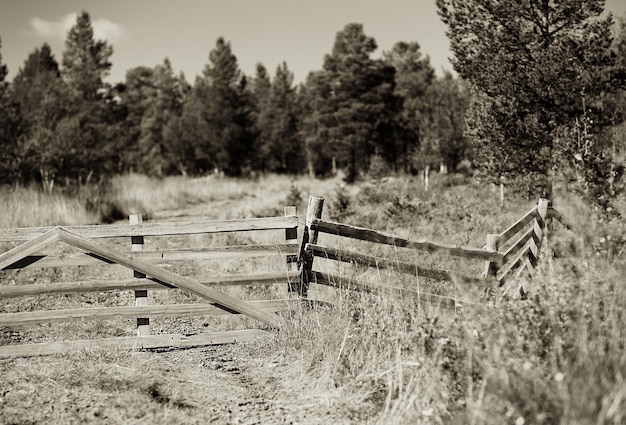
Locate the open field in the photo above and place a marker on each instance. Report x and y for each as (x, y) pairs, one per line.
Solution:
(557, 357)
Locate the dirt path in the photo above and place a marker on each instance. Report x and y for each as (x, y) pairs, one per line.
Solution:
(231, 385)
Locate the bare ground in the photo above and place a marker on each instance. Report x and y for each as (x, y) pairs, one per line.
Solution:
(228, 384)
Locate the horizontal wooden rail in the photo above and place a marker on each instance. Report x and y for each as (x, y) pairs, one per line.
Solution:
(531, 233)
(517, 226)
(132, 343)
(408, 268)
(530, 248)
(159, 257)
(157, 229)
(424, 297)
(370, 235)
(14, 291)
(104, 313)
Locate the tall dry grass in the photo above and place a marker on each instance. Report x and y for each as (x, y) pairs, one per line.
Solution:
(27, 206)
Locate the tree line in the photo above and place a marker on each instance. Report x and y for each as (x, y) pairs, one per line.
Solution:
(541, 97)
(61, 122)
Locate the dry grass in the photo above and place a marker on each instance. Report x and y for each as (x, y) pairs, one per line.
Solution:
(24, 207)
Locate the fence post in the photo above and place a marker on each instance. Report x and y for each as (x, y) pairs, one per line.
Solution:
(542, 224)
(491, 267)
(305, 259)
(141, 295)
(291, 237)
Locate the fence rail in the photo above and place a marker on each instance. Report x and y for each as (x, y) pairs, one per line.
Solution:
(156, 229)
(158, 257)
(370, 235)
(142, 283)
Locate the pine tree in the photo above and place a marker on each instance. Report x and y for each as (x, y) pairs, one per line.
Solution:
(413, 77)
(358, 117)
(92, 132)
(194, 134)
(9, 128)
(260, 93)
(227, 111)
(441, 120)
(136, 94)
(44, 102)
(85, 60)
(280, 147)
(158, 138)
(314, 108)
(535, 68)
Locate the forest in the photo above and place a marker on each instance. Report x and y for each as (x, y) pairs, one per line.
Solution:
(535, 101)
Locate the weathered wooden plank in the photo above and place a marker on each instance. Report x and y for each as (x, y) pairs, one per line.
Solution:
(156, 229)
(529, 234)
(517, 226)
(370, 235)
(314, 211)
(160, 257)
(14, 291)
(517, 261)
(222, 300)
(104, 313)
(424, 297)
(383, 263)
(141, 294)
(132, 343)
(28, 248)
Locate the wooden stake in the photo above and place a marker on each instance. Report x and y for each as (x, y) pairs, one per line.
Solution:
(491, 268)
(305, 259)
(291, 237)
(141, 295)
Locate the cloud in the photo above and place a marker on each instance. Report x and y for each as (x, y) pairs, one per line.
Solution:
(102, 28)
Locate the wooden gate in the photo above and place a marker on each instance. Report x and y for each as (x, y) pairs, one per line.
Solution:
(148, 274)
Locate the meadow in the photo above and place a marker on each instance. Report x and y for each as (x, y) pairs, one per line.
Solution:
(557, 357)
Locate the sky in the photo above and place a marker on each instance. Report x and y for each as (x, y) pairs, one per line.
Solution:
(145, 32)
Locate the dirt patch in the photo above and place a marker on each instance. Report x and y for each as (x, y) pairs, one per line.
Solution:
(228, 384)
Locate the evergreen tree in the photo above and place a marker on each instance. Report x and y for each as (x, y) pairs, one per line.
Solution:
(9, 127)
(43, 102)
(227, 111)
(91, 132)
(194, 134)
(357, 91)
(314, 108)
(440, 114)
(260, 91)
(158, 136)
(136, 94)
(281, 148)
(85, 60)
(536, 68)
(414, 76)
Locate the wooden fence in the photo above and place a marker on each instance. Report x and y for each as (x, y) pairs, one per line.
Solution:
(516, 248)
(506, 254)
(149, 273)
